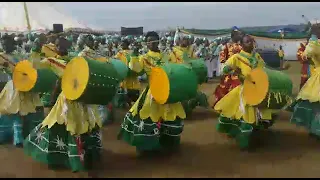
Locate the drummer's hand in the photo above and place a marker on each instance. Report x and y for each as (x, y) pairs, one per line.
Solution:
(241, 78)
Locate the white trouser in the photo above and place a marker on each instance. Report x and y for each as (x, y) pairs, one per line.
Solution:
(218, 67)
(211, 66)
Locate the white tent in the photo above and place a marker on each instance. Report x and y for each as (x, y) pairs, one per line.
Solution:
(42, 15)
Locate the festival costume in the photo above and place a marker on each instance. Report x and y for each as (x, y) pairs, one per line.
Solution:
(107, 111)
(20, 111)
(56, 65)
(69, 136)
(176, 56)
(130, 87)
(149, 125)
(307, 69)
(228, 82)
(237, 118)
(306, 106)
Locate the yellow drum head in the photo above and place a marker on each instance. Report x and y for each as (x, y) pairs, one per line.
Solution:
(75, 78)
(159, 85)
(256, 87)
(24, 76)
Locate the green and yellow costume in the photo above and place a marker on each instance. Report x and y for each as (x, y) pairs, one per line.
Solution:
(177, 56)
(148, 125)
(237, 118)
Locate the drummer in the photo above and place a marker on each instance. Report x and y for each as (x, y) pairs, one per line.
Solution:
(237, 119)
(130, 85)
(149, 126)
(89, 51)
(306, 106)
(176, 56)
(20, 111)
(229, 81)
(72, 130)
(307, 68)
(57, 65)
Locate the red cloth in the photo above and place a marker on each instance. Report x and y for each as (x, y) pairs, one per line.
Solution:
(304, 74)
(305, 65)
(227, 83)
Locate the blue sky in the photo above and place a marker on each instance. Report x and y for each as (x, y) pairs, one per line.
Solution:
(203, 15)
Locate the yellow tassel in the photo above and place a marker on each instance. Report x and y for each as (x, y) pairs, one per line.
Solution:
(276, 96)
(269, 98)
(280, 99)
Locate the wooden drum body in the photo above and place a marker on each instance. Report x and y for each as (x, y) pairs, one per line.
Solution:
(90, 81)
(28, 79)
(121, 68)
(200, 68)
(266, 88)
(173, 83)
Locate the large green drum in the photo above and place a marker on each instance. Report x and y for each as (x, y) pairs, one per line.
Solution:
(200, 68)
(120, 67)
(90, 81)
(173, 83)
(267, 88)
(28, 79)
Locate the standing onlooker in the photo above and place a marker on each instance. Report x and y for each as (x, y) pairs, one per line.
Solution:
(281, 55)
(216, 53)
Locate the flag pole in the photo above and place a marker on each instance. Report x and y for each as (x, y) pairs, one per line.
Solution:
(27, 16)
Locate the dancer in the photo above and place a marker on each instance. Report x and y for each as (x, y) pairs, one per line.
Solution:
(177, 55)
(148, 125)
(131, 85)
(238, 119)
(20, 111)
(307, 68)
(68, 137)
(230, 81)
(306, 106)
(107, 112)
(57, 64)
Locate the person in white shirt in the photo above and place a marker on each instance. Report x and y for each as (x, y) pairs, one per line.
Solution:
(216, 53)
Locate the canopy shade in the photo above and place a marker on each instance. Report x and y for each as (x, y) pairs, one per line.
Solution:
(42, 15)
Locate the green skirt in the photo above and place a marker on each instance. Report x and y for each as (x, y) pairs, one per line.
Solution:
(147, 135)
(123, 98)
(57, 147)
(200, 100)
(241, 130)
(307, 115)
(32, 120)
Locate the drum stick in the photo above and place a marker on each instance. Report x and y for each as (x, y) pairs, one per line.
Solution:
(7, 60)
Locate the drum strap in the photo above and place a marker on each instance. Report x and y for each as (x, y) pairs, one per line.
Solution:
(253, 60)
(7, 60)
(128, 57)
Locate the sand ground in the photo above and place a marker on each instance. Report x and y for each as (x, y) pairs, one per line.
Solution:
(284, 151)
